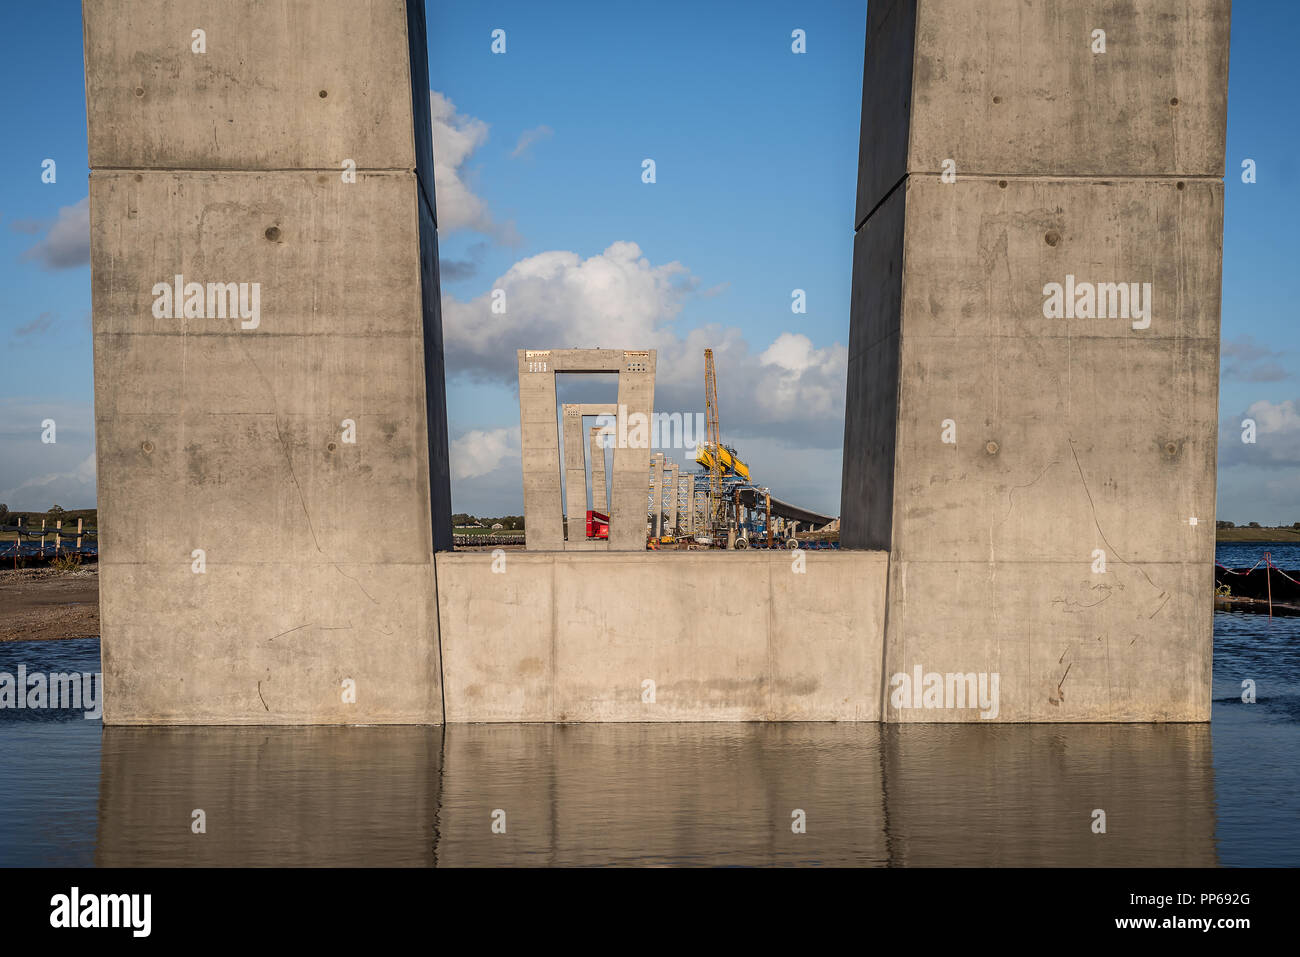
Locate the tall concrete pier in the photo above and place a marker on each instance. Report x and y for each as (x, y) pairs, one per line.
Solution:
(269, 398)
(1033, 357)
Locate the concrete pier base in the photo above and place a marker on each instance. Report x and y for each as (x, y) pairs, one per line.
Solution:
(566, 636)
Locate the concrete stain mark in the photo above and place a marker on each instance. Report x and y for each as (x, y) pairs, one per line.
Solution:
(735, 687)
(259, 695)
(1080, 606)
(357, 583)
(1015, 488)
(1093, 506)
(531, 666)
(290, 631)
(1056, 699)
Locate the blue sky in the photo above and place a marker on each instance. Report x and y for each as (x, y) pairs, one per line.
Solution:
(540, 156)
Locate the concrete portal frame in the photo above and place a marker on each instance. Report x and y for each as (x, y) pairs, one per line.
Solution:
(540, 441)
(575, 470)
(599, 486)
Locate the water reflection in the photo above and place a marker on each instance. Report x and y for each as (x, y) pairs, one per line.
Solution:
(293, 797)
(659, 794)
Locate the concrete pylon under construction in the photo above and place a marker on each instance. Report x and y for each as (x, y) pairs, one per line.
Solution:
(1032, 391)
(657, 495)
(575, 470)
(540, 442)
(271, 432)
(599, 484)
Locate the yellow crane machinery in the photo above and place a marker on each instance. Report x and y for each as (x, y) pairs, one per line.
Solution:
(729, 462)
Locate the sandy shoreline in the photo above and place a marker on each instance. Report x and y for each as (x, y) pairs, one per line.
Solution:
(45, 604)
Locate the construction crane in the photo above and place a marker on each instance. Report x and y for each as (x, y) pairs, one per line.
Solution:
(720, 461)
(735, 504)
(717, 505)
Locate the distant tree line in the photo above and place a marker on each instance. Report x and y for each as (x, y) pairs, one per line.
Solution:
(509, 523)
(56, 513)
(1223, 524)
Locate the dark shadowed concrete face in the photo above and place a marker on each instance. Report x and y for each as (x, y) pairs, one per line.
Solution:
(268, 362)
(1033, 371)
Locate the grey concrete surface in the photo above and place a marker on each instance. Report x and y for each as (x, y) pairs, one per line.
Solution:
(242, 578)
(1045, 485)
(724, 636)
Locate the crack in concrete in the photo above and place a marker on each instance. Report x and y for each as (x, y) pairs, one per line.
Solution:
(290, 631)
(301, 500)
(1016, 488)
(355, 582)
(1093, 506)
(275, 413)
(1162, 605)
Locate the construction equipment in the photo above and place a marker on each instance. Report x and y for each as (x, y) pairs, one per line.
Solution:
(729, 461)
(717, 508)
(738, 513)
(597, 524)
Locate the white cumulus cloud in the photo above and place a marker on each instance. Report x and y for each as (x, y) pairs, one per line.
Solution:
(618, 299)
(481, 451)
(67, 244)
(455, 138)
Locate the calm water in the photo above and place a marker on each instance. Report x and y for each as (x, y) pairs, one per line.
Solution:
(73, 792)
(1239, 555)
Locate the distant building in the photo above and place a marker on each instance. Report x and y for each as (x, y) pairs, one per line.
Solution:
(497, 526)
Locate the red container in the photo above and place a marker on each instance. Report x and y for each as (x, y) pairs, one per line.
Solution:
(597, 525)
